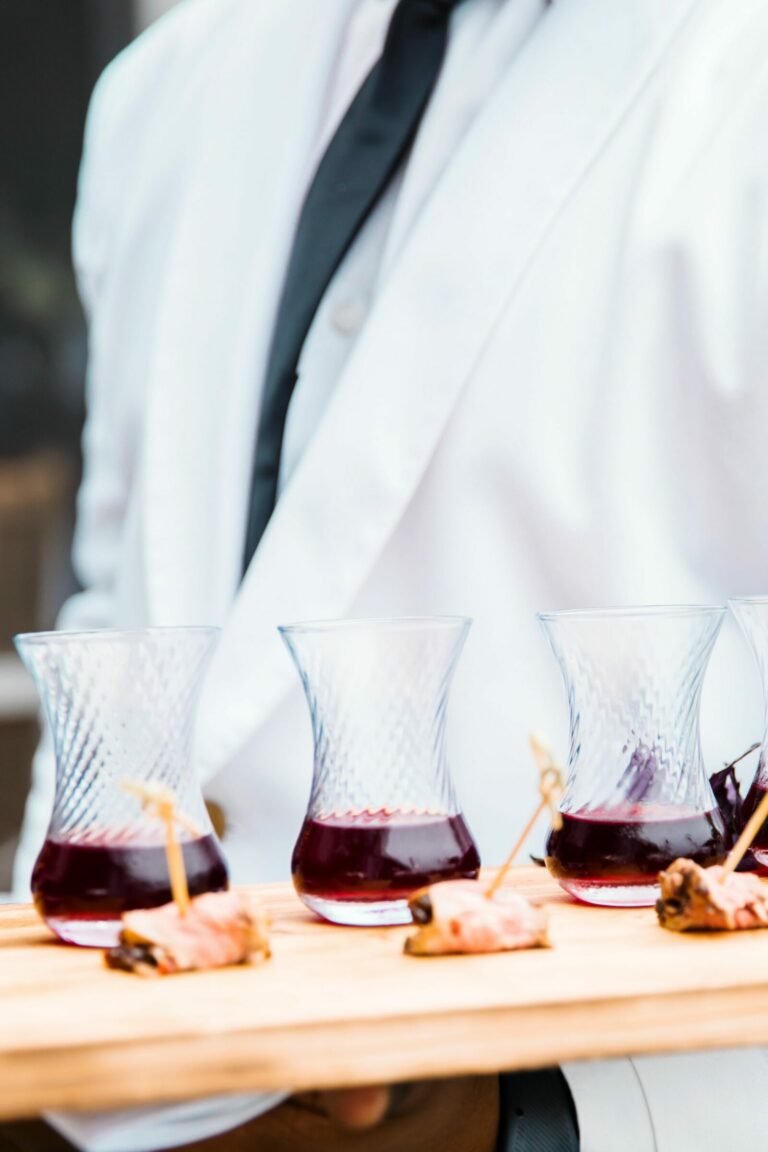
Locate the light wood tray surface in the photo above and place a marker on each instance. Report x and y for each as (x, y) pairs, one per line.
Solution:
(343, 1006)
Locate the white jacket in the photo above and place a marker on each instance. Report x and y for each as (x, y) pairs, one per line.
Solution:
(558, 399)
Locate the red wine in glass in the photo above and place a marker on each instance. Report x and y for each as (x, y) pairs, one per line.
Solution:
(361, 867)
(613, 856)
(81, 889)
(760, 842)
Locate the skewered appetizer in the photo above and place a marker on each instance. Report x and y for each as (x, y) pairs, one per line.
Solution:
(466, 916)
(217, 929)
(458, 916)
(718, 897)
(710, 898)
(214, 930)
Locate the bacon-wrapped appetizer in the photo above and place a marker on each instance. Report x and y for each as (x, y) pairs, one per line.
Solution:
(458, 916)
(216, 930)
(213, 930)
(467, 916)
(716, 898)
(713, 898)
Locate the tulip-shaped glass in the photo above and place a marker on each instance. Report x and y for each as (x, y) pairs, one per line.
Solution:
(383, 818)
(637, 795)
(120, 707)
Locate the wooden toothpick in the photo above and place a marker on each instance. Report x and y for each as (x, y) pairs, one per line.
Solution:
(159, 801)
(551, 788)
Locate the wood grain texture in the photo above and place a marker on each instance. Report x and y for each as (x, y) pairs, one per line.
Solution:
(343, 1006)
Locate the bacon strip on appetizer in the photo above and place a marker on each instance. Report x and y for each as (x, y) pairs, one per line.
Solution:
(218, 929)
(693, 897)
(457, 916)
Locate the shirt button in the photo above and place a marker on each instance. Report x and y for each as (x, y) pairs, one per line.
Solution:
(347, 318)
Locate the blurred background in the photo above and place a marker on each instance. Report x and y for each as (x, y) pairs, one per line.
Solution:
(51, 53)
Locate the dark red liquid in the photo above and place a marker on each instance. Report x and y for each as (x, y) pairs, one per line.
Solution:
(760, 842)
(101, 881)
(372, 856)
(632, 845)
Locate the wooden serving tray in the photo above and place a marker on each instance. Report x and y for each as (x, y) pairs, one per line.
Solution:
(341, 1006)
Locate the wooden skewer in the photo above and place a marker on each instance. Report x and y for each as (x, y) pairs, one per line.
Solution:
(550, 788)
(500, 876)
(161, 802)
(750, 830)
(176, 870)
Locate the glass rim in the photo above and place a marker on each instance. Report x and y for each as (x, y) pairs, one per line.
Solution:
(64, 635)
(378, 623)
(636, 611)
(748, 600)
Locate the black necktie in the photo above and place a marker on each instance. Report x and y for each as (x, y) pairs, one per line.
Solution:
(359, 162)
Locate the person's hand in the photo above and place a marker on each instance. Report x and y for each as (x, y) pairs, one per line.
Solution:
(357, 1109)
(459, 1115)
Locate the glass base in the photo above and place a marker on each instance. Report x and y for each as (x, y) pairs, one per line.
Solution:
(611, 895)
(86, 932)
(360, 914)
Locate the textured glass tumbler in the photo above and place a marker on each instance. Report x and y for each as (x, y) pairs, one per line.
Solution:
(637, 795)
(120, 706)
(383, 818)
(752, 615)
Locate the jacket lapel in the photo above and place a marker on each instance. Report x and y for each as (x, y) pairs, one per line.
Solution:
(249, 166)
(462, 262)
(485, 41)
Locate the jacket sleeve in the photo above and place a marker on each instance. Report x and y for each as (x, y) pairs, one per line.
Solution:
(710, 302)
(104, 489)
(711, 287)
(691, 1102)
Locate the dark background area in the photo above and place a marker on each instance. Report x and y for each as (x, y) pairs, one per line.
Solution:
(51, 53)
